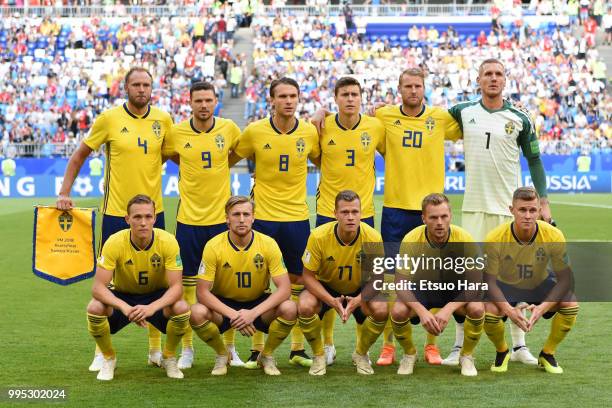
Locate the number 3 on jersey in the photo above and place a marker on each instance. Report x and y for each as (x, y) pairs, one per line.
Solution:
(283, 162)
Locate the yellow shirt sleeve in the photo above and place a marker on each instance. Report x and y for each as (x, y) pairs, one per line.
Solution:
(312, 255)
(234, 136)
(173, 256)
(381, 147)
(560, 260)
(276, 266)
(108, 259)
(208, 267)
(244, 146)
(316, 147)
(169, 144)
(452, 130)
(98, 134)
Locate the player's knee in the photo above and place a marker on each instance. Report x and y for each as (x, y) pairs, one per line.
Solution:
(568, 304)
(492, 309)
(475, 309)
(399, 312)
(199, 313)
(307, 304)
(287, 310)
(379, 311)
(180, 307)
(96, 307)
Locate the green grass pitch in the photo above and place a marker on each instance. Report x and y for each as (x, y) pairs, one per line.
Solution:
(45, 342)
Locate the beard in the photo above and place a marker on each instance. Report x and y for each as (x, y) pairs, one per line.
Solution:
(138, 103)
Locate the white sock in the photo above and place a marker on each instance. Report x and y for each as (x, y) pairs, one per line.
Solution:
(458, 335)
(518, 336)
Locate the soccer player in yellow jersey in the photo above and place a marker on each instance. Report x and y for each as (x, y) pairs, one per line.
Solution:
(333, 278)
(349, 142)
(133, 135)
(233, 285)
(434, 309)
(519, 253)
(201, 144)
(281, 146)
(145, 266)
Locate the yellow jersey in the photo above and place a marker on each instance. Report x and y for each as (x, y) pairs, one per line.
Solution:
(335, 263)
(439, 262)
(139, 271)
(241, 274)
(204, 182)
(347, 162)
(281, 166)
(524, 265)
(414, 162)
(133, 155)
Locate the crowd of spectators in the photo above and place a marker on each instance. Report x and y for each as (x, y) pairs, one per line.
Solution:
(57, 75)
(558, 76)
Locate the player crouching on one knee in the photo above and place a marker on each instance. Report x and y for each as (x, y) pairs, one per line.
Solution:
(438, 238)
(519, 253)
(145, 268)
(333, 277)
(232, 288)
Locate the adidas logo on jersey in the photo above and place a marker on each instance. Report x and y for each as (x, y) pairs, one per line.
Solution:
(331, 143)
(330, 259)
(472, 121)
(129, 262)
(187, 145)
(397, 123)
(267, 146)
(227, 265)
(125, 130)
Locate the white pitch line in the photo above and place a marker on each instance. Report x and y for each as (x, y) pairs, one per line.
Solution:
(582, 204)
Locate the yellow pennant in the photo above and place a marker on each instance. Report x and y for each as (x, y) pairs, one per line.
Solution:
(63, 244)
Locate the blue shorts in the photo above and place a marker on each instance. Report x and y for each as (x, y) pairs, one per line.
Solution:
(191, 240)
(532, 296)
(321, 219)
(436, 301)
(291, 237)
(357, 313)
(234, 304)
(118, 320)
(396, 223)
(112, 224)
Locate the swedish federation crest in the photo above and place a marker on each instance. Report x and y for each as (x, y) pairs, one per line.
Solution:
(366, 140)
(300, 146)
(509, 128)
(220, 142)
(258, 260)
(156, 260)
(156, 127)
(360, 257)
(65, 221)
(430, 123)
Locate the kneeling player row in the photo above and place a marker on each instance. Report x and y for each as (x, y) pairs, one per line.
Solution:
(233, 284)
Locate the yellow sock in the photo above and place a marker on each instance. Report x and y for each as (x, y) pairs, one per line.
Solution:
(358, 329)
(495, 329)
(257, 341)
(561, 324)
(388, 334)
(229, 337)
(99, 329)
(278, 331)
(175, 329)
(189, 295)
(370, 331)
(209, 333)
(154, 338)
(311, 327)
(403, 334)
(472, 330)
(329, 320)
(432, 339)
(297, 337)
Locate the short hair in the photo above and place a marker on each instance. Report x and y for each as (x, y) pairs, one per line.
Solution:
(416, 72)
(490, 61)
(346, 81)
(434, 199)
(525, 193)
(140, 199)
(238, 199)
(137, 69)
(286, 81)
(201, 86)
(346, 195)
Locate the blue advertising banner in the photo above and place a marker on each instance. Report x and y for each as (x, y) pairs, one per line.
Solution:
(88, 186)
